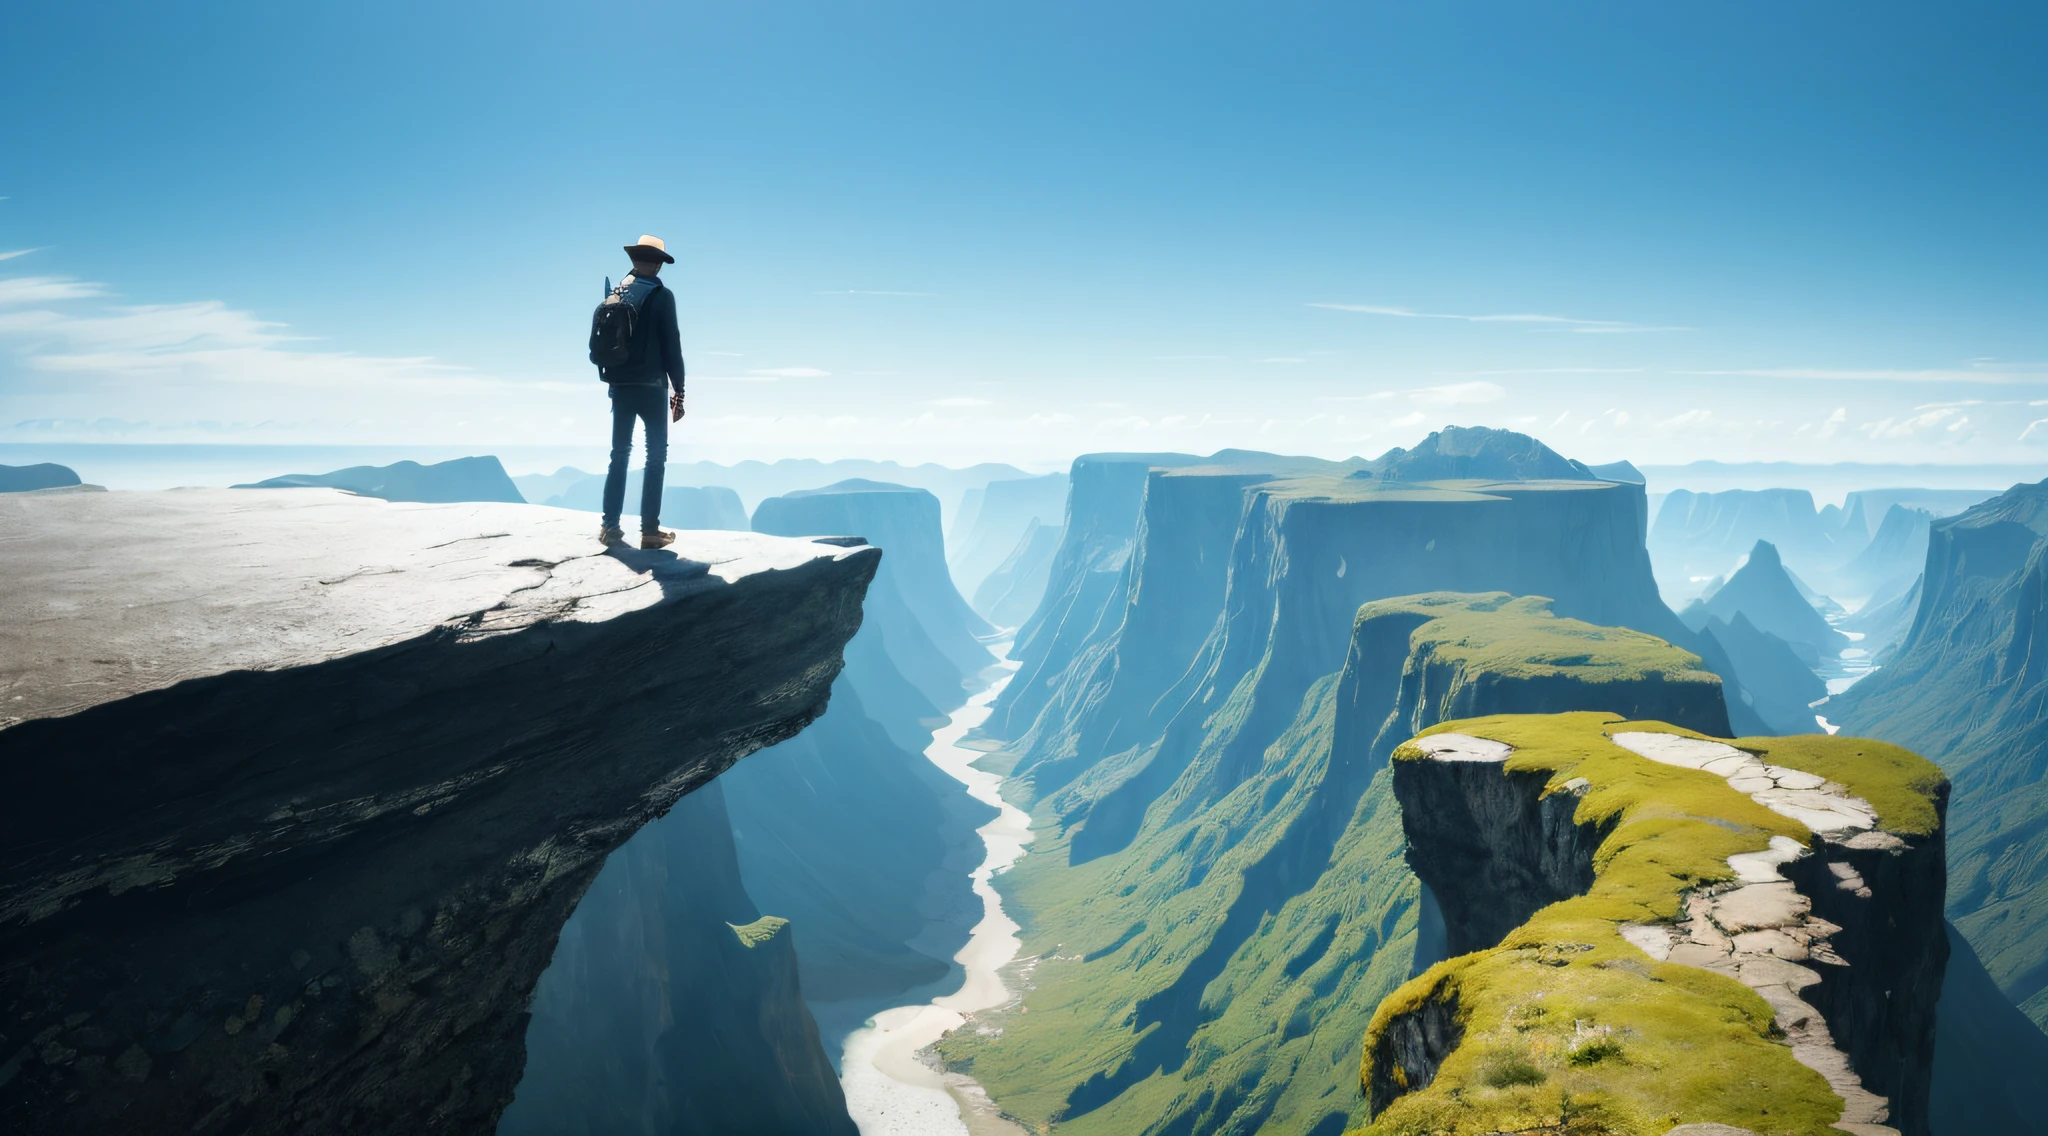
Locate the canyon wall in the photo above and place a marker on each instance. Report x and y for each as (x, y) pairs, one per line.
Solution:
(303, 786)
(672, 1004)
(1968, 686)
(1211, 969)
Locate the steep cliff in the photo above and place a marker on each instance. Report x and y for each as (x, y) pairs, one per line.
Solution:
(1008, 595)
(1894, 554)
(302, 787)
(1307, 551)
(848, 830)
(1651, 917)
(865, 846)
(936, 647)
(672, 1004)
(1006, 509)
(1216, 975)
(1106, 492)
(1969, 688)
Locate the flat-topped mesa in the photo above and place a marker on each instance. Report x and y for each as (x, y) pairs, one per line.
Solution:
(1664, 929)
(1452, 655)
(303, 786)
(1087, 580)
(929, 629)
(1308, 551)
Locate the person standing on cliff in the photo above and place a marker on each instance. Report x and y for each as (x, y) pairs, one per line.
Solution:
(639, 353)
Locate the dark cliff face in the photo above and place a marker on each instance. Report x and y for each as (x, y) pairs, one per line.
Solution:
(289, 840)
(1492, 847)
(846, 832)
(1969, 687)
(672, 1004)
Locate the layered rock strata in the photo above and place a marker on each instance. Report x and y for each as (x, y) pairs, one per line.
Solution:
(1802, 875)
(303, 786)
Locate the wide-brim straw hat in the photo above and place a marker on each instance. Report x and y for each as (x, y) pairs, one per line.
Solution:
(648, 247)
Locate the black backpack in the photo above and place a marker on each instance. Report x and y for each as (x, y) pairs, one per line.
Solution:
(615, 336)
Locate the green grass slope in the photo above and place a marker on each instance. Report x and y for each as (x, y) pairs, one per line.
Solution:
(1568, 1027)
(1217, 974)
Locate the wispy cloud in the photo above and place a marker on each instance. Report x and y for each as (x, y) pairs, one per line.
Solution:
(790, 373)
(870, 292)
(18, 290)
(1547, 371)
(1926, 375)
(1948, 419)
(727, 354)
(199, 342)
(959, 402)
(1186, 358)
(1450, 394)
(1563, 323)
(10, 254)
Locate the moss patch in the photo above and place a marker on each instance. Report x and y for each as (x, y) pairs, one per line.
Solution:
(1519, 637)
(1625, 1044)
(760, 931)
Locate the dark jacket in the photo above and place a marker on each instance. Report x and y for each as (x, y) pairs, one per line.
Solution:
(663, 356)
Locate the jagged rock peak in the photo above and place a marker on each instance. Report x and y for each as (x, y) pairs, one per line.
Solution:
(1463, 452)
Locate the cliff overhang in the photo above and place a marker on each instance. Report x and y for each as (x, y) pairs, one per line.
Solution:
(303, 786)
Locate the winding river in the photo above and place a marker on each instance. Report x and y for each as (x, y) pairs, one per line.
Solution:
(888, 1090)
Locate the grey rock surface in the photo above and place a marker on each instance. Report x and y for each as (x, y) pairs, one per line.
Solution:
(303, 786)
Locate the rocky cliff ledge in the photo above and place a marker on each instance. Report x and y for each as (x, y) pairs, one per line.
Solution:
(1700, 933)
(301, 787)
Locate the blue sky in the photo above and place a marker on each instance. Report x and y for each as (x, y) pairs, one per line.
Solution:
(1020, 231)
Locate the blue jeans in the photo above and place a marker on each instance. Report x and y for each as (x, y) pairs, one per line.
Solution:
(649, 404)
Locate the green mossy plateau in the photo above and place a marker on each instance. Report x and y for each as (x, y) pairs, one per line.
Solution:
(1520, 637)
(1624, 1044)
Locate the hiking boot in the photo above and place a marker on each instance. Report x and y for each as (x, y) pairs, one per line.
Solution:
(657, 539)
(609, 537)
